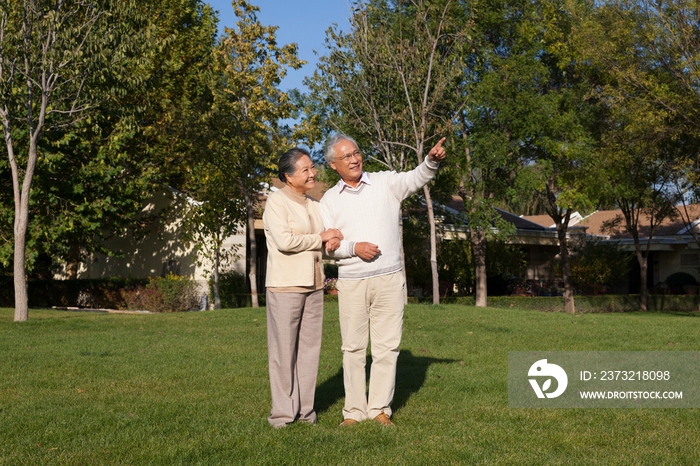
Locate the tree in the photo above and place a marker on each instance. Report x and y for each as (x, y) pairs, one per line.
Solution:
(140, 82)
(392, 82)
(651, 48)
(241, 132)
(641, 58)
(640, 185)
(50, 54)
(207, 224)
(531, 103)
(490, 168)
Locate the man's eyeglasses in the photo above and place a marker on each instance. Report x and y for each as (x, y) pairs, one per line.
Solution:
(356, 154)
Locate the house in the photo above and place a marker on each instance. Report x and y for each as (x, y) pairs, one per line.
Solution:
(161, 250)
(536, 236)
(672, 249)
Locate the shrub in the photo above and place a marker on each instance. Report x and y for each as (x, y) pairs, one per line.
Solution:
(93, 293)
(678, 280)
(233, 289)
(330, 270)
(330, 284)
(596, 265)
(142, 298)
(171, 293)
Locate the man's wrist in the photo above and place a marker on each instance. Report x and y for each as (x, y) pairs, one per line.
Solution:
(433, 165)
(352, 247)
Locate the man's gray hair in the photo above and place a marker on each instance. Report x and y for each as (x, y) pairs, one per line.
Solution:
(329, 147)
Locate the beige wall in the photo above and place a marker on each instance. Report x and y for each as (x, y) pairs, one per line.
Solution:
(161, 251)
(539, 260)
(680, 261)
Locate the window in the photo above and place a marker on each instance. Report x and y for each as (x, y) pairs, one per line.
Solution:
(171, 266)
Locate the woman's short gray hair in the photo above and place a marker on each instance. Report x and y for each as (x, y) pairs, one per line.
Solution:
(329, 147)
(288, 161)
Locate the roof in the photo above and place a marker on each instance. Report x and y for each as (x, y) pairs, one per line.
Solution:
(456, 205)
(543, 220)
(520, 223)
(597, 221)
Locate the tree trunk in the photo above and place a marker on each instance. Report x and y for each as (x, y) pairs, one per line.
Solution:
(643, 268)
(20, 276)
(433, 246)
(252, 257)
(217, 264)
(21, 222)
(631, 216)
(562, 227)
(20, 237)
(73, 259)
(477, 237)
(478, 240)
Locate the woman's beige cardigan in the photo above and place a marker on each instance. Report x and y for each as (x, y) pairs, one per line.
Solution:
(293, 228)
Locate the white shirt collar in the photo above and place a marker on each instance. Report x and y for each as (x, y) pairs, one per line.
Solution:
(363, 179)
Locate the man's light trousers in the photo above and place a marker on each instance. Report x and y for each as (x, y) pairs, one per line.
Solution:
(370, 308)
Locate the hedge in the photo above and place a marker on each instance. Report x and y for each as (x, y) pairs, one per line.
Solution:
(600, 303)
(98, 293)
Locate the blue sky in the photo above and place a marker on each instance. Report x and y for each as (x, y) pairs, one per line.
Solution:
(301, 21)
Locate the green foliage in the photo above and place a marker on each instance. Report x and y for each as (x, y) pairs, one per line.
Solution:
(645, 56)
(595, 264)
(238, 134)
(455, 260)
(415, 251)
(676, 281)
(456, 264)
(330, 270)
(233, 290)
(141, 75)
(529, 108)
(171, 293)
(91, 293)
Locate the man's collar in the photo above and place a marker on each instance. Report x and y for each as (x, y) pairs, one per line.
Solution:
(363, 179)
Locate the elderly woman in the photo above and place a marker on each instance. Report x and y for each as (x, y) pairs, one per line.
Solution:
(295, 241)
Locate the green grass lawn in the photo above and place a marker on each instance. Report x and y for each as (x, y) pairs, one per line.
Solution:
(192, 388)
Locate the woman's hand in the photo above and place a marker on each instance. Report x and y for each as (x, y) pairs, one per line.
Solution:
(330, 234)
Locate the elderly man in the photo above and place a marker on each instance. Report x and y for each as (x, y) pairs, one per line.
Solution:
(367, 206)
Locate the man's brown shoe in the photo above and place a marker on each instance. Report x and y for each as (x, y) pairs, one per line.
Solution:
(384, 420)
(348, 422)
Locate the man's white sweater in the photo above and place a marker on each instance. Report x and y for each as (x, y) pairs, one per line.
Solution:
(371, 213)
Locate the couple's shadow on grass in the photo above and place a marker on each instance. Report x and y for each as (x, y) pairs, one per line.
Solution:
(410, 377)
